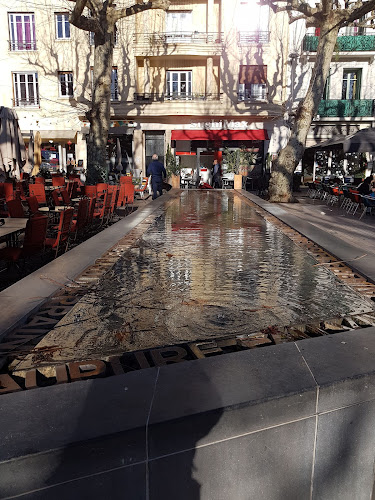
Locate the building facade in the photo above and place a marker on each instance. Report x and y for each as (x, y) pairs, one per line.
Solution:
(348, 100)
(205, 75)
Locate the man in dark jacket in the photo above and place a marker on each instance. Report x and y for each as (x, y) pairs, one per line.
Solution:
(157, 172)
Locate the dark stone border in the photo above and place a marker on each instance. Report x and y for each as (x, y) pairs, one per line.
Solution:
(149, 423)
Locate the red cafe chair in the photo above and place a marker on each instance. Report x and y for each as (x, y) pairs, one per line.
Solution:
(15, 209)
(38, 191)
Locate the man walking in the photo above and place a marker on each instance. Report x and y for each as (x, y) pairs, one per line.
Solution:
(216, 171)
(157, 172)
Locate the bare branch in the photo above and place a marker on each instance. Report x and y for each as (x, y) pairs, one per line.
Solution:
(140, 7)
(293, 5)
(83, 22)
(357, 11)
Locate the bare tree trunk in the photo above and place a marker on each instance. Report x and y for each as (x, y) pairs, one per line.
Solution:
(280, 187)
(99, 115)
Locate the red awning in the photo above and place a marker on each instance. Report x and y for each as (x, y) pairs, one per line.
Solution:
(219, 135)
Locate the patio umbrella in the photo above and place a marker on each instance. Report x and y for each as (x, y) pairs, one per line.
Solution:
(37, 153)
(12, 146)
(30, 155)
(119, 155)
(362, 141)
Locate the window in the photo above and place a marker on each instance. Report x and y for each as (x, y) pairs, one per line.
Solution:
(252, 83)
(325, 95)
(66, 84)
(351, 84)
(62, 26)
(114, 85)
(179, 85)
(25, 89)
(22, 32)
(251, 17)
(179, 26)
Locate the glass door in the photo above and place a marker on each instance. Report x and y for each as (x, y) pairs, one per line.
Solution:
(351, 84)
(179, 27)
(179, 85)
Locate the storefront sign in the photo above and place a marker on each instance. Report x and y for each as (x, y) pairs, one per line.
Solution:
(223, 125)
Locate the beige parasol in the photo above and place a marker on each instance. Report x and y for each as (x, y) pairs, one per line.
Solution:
(12, 147)
(37, 153)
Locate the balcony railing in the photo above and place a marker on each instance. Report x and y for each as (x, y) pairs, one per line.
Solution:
(26, 102)
(146, 97)
(346, 108)
(178, 37)
(345, 43)
(253, 37)
(252, 95)
(15, 45)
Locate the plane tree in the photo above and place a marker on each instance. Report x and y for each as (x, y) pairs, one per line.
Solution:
(329, 16)
(100, 17)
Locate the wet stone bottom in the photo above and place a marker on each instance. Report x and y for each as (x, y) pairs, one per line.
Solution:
(208, 268)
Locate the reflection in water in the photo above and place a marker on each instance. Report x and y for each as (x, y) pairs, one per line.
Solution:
(210, 266)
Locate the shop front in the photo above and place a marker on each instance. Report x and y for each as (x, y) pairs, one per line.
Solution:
(199, 148)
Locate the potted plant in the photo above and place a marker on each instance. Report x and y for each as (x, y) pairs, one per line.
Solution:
(238, 162)
(172, 167)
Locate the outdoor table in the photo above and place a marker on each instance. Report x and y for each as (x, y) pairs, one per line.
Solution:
(10, 229)
(54, 209)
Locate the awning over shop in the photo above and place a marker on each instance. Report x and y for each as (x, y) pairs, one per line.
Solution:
(55, 135)
(219, 135)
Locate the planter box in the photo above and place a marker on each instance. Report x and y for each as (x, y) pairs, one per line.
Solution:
(174, 181)
(237, 181)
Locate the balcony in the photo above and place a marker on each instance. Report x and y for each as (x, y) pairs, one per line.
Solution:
(32, 101)
(147, 97)
(193, 37)
(253, 37)
(18, 46)
(346, 108)
(345, 43)
(260, 94)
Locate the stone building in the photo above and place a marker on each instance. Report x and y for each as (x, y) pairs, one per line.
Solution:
(348, 100)
(206, 75)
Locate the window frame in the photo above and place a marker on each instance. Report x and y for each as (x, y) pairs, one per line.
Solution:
(170, 94)
(115, 96)
(358, 82)
(63, 26)
(68, 84)
(14, 43)
(18, 102)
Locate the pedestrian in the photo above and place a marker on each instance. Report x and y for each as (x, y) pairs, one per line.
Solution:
(216, 172)
(158, 173)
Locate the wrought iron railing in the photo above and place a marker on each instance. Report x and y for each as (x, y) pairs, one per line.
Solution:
(15, 45)
(345, 43)
(178, 96)
(346, 108)
(178, 37)
(253, 37)
(253, 95)
(26, 102)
